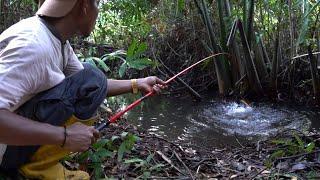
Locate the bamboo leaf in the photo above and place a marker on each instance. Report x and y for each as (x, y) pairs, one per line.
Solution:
(311, 10)
(122, 69)
(103, 65)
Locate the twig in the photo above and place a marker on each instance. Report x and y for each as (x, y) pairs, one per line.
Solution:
(168, 177)
(153, 136)
(235, 135)
(198, 169)
(303, 55)
(164, 157)
(258, 173)
(192, 91)
(298, 155)
(185, 166)
(173, 50)
(203, 160)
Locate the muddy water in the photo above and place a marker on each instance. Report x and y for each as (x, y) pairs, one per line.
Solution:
(214, 122)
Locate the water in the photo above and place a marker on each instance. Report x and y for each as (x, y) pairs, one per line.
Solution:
(215, 122)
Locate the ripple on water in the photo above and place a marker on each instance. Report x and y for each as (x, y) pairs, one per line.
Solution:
(214, 121)
(252, 121)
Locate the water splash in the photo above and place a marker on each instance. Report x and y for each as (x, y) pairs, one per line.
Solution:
(208, 123)
(238, 110)
(253, 121)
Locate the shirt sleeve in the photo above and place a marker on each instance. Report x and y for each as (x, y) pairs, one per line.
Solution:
(21, 73)
(73, 63)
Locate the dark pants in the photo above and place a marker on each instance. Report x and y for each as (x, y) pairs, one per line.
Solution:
(80, 94)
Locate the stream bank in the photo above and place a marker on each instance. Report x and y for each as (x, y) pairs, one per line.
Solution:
(289, 155)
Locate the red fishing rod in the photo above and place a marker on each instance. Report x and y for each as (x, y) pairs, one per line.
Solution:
(114, 118)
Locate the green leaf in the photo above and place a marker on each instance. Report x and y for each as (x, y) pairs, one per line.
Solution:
(146, 174)
(140, 63)
(149, 158)
(119, 54)
(83, 157)
(103, 65)
(298, 139)
(122, 69)
(124, 134)
(95, 158)
(181, 5)
(131, 49)
(98, 172)
(113, 138)
(311, 10)
(310, 147)
(103, 153)
(101, 143)
(277, 154)
(132, 138)
(134, 160)
(279, 141)
(121, 151)
(90, 61)
(157, 167)
(141, 49)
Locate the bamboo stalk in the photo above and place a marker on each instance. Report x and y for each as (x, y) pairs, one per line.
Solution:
(221, 65)
(223, 31)
(250, 23)
(292, 62)
(252, 74)
(314, 74)
(245, 16)
(237, 65)
(265, 54)
(260, 62)
(274, 67)
(318, 40)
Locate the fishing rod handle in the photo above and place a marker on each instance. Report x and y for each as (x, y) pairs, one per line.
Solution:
(103, 125)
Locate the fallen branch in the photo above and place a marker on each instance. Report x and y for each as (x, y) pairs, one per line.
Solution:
(164, 157)
(185, 166)
(303, 55)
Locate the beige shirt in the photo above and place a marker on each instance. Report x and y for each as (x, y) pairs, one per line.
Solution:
(31, 61)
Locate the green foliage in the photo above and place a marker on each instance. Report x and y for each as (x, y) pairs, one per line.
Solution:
(116, 148)
(11, 11)
(313, 175)
(120, 21)
(105, 149)
(145, 166)
(132, 59)
(127, 144)
(289, 147)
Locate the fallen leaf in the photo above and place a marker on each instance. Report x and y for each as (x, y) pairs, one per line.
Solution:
(233, 176)
(299, 166)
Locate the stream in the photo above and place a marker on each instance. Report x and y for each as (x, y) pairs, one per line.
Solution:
(213, 122)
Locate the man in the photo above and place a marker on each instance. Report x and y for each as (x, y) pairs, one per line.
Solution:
(45, 91)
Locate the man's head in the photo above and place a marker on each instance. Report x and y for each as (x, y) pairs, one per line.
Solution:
(84, 12)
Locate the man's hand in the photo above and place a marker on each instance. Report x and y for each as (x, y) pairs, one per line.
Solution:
(151, 83)
(80, 137)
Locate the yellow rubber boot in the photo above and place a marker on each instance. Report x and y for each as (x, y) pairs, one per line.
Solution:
(44, 164)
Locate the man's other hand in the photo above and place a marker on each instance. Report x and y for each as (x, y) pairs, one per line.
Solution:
(80, 137)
